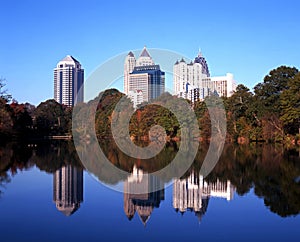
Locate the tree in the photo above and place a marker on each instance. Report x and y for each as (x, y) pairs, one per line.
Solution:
(268, 92)
(5, 117)
(22, 121)
(6, 122)
(267, 100)
(3, 92)
(290, 105)
(240, 112)
(105, 107)
(51, 118)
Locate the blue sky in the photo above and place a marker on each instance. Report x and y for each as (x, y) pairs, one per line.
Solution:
(246, 38)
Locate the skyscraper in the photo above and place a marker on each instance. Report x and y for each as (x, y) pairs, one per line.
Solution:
(68, 81)
(193, 81)
(192, 73)
(130, 63)
(143, 80)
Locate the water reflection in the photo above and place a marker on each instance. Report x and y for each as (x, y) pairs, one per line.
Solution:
(271, 171)
(137, 195)
(193, 192)
(68, 189)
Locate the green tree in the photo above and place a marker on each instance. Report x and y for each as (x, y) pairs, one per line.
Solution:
(268, 92)
(267, 101)
(203, 118)
(240, 113)
(51, 118)
(290, 105)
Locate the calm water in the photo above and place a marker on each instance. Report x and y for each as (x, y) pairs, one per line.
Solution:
(253, 194)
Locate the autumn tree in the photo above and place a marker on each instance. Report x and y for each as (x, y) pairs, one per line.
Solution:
(22, 120)
(6, 122)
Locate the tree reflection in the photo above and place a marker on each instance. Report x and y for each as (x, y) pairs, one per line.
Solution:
(51, 156)
(13, 157)
(271, 170)
(47, 156)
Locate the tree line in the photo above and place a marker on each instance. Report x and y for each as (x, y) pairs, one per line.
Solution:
(269, 113)
(27, 121)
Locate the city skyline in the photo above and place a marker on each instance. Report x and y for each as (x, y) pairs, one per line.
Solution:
(144, 81)
(245, 38)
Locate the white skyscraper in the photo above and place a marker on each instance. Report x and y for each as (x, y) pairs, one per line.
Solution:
(130, 63)
(192, 80)
(68, 81)
(193, 74)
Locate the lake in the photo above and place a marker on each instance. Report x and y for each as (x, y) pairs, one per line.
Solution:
(46, 194)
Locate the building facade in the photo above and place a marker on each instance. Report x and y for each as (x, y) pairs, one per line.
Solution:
(224, 85)
(193, 81)
(136, 97)
(142, 77)
(129, 64)
(68, 81)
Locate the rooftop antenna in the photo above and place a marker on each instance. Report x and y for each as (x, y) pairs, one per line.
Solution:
(199, 52)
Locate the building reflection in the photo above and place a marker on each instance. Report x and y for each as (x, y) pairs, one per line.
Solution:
(193, 193)
(68, 189)
(140, 194)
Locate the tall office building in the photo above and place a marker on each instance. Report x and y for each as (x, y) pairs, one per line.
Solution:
(190, 73)
(143, 79)
(129, 64)
(149, 80)
(68, 81)
(193, 81)
(68, 189)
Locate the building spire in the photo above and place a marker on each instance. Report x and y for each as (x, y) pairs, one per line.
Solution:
(145, 52)
(199, 52)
